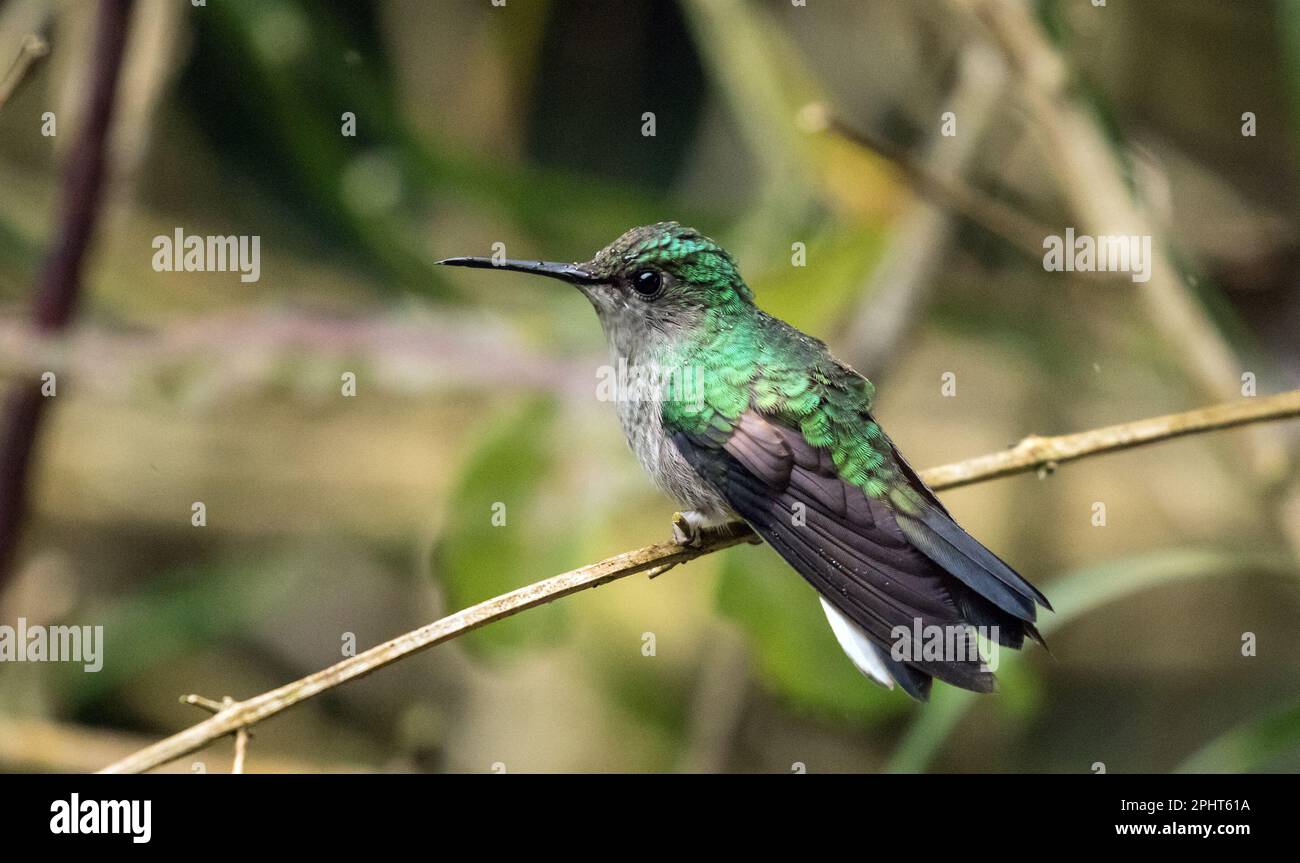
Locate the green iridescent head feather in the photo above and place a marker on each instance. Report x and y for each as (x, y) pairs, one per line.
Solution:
(682, 252)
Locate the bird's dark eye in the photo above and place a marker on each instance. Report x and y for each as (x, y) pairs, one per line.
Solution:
(647, 283)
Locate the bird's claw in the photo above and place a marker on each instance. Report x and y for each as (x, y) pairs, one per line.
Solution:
(685, 531)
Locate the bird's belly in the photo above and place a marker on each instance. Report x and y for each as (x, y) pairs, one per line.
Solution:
(643, 426)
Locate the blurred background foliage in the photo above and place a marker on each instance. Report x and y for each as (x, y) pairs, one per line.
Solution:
(333, 517)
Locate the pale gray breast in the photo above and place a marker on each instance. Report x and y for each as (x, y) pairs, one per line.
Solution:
(642, 349)
(639, 411)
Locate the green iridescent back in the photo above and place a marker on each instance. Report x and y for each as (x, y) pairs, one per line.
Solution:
(747, 357)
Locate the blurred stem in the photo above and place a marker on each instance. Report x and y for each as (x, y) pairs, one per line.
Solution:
(950, 191)
(900, 287)
(59, 285)
(32, 51)
(761, 76)
(1031, 454)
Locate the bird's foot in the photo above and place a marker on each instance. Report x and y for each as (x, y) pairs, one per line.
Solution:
(686, 531)
(690, 527)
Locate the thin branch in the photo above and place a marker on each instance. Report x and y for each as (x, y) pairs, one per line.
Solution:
(1045, 453)
(915, 262)
(245, 713)
(947, 191)
(204, 703)
(30, 53)
(241, 742)
(241, 750)
(59, 285)
(1033, 453)
(241, 736)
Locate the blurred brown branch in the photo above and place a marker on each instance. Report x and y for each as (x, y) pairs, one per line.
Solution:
(59, 284)
(898, 290)
(1034, 453)
(30, 53)
(952, 192)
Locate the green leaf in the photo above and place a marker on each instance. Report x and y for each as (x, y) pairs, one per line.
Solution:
(1253, 745)
(502, 533)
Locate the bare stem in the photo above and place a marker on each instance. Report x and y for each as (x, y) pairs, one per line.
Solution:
(59, 285)
(1032, 453)
(951, 192)
(30, 53)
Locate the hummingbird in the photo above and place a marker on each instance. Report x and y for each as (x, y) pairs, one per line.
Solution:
(775, 431)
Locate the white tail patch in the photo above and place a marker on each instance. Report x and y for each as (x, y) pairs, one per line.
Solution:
(857, 645)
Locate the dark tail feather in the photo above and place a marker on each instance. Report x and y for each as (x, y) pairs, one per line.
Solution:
(1032, 632)
(914, 681)
(941, 539)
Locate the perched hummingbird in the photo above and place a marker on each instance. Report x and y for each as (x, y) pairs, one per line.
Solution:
(779, 433)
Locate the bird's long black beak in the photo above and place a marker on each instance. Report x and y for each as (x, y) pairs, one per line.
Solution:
(571, 273)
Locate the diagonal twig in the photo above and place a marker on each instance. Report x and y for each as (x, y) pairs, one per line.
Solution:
(31, 52)
(1021, 231)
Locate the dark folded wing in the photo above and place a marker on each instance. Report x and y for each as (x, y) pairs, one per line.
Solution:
(848, 545)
